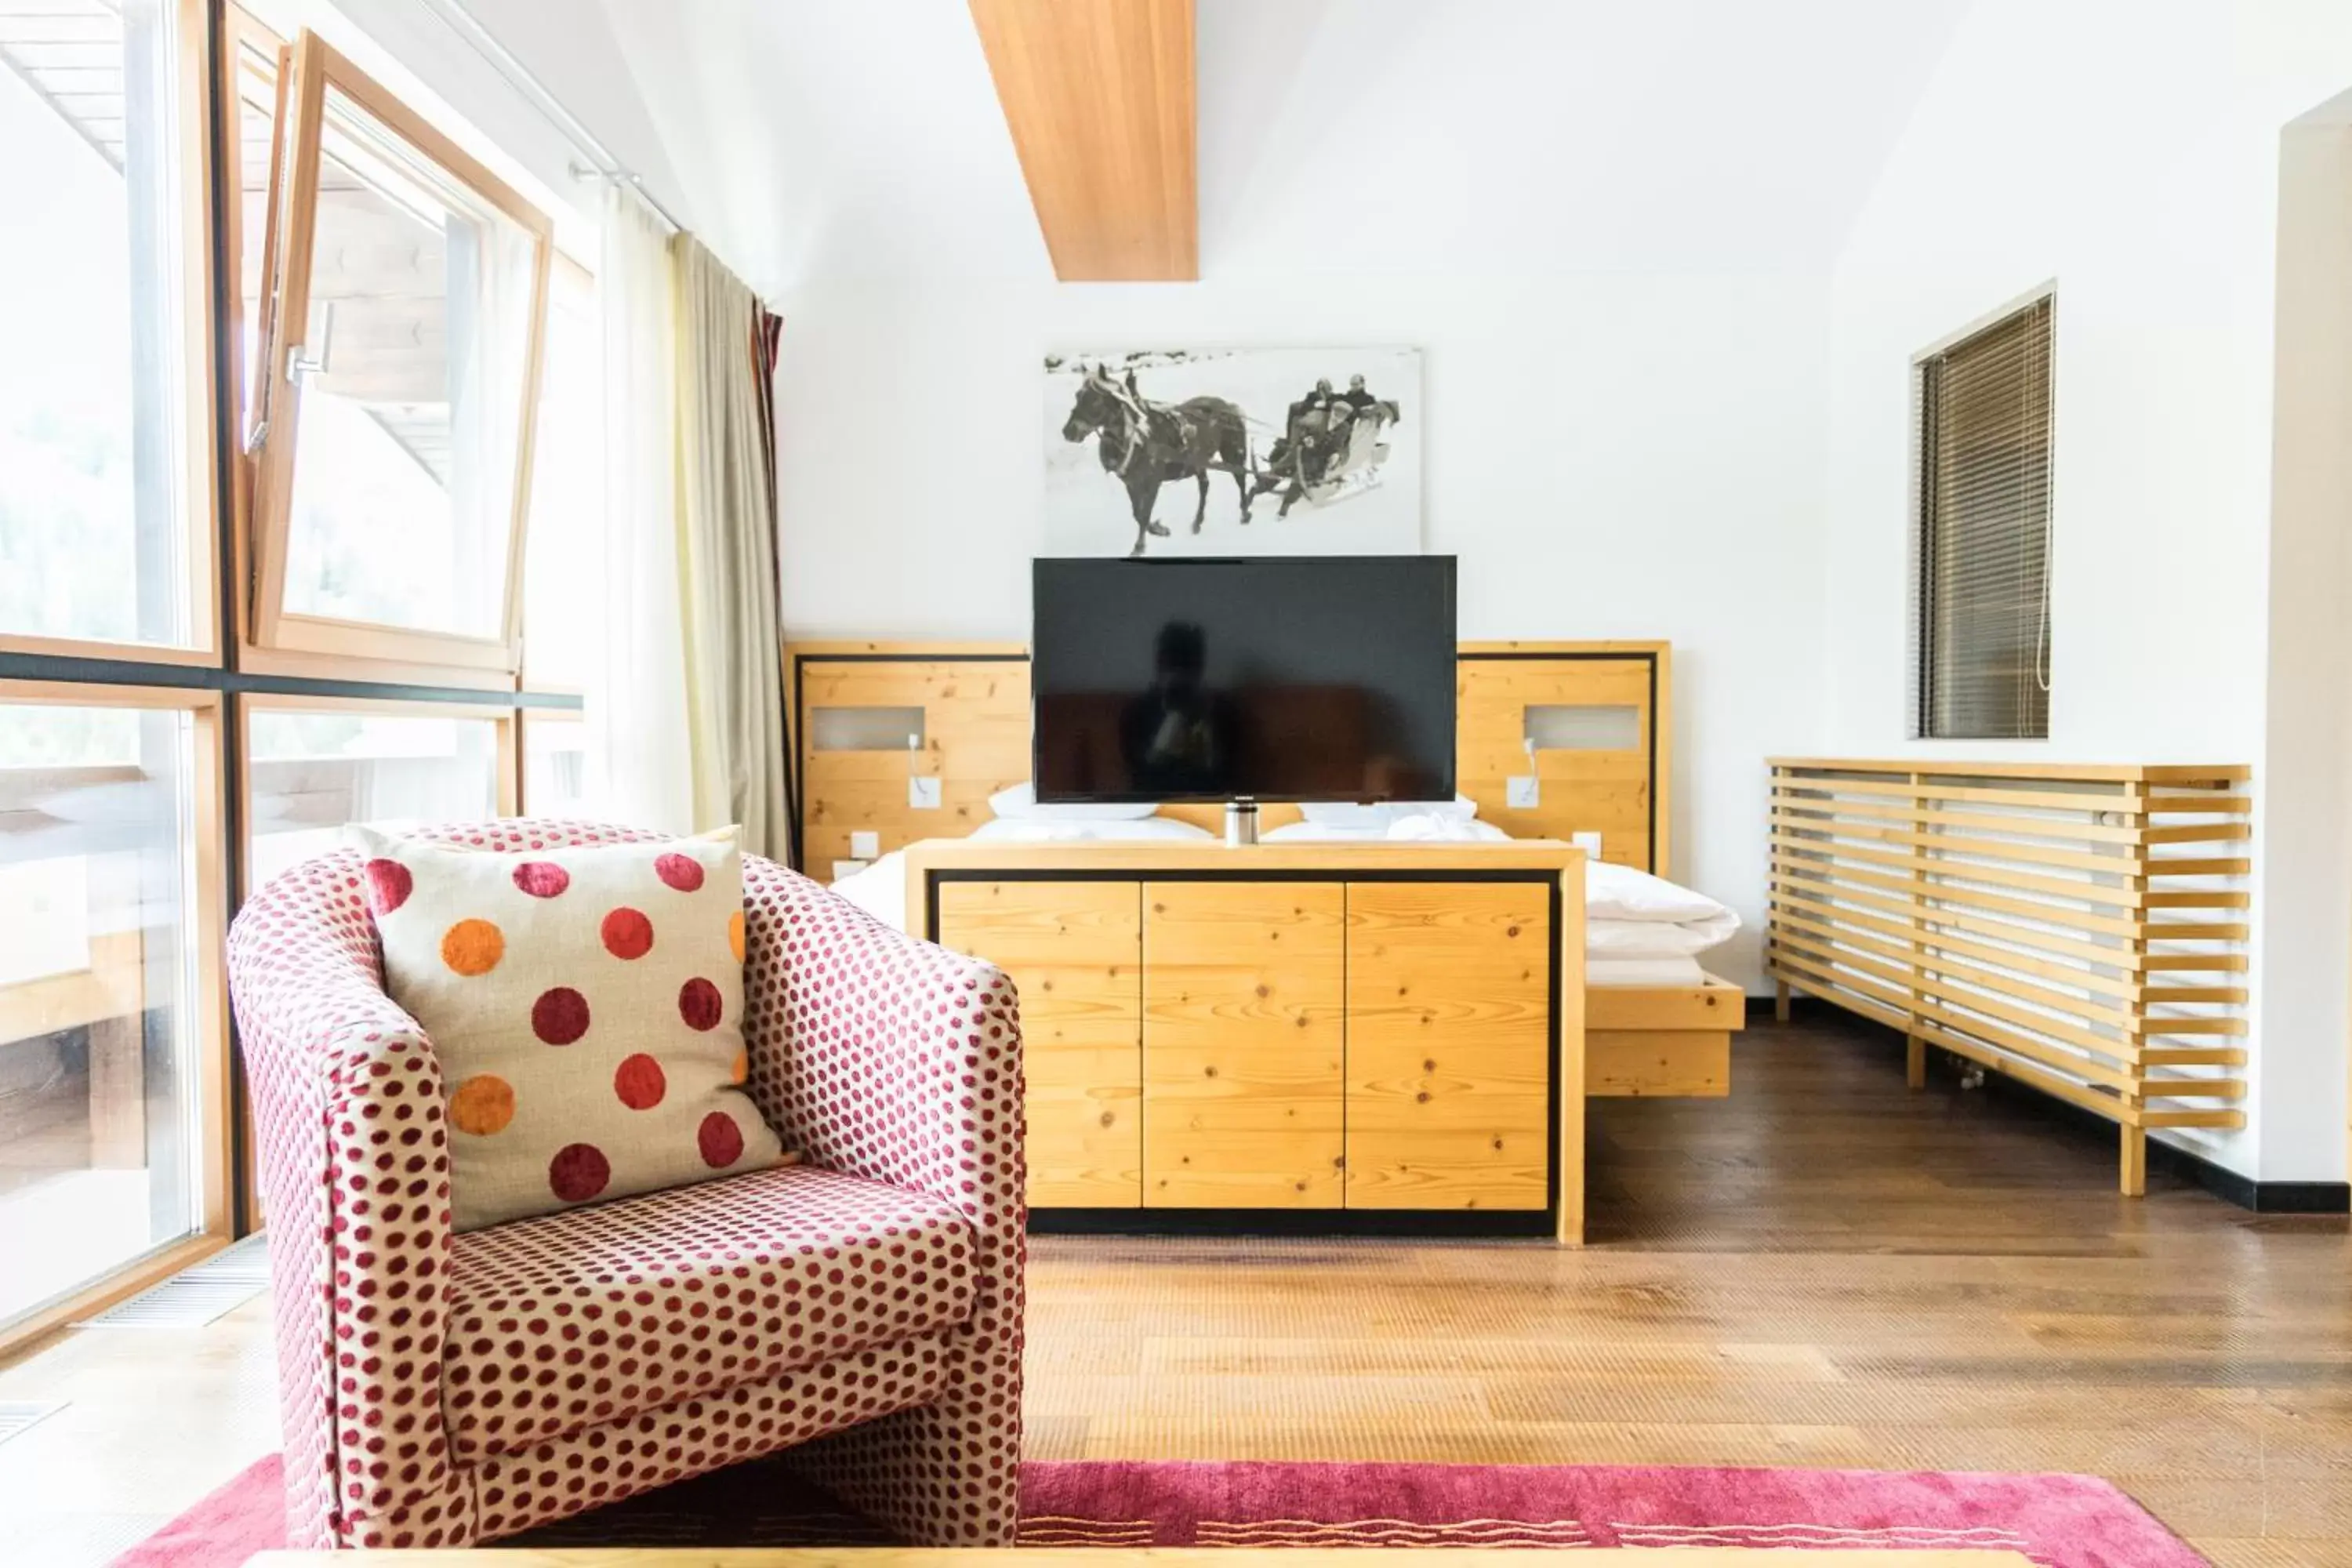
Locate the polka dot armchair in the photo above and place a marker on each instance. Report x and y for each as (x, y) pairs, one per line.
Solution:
(440, 1389)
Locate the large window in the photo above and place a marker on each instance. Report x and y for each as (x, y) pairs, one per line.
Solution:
(397, 386)
(111, 1058)
(106, 519)
(1981, 473)
(371, 391)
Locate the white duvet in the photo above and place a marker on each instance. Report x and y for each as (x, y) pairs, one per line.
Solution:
(1639, 929)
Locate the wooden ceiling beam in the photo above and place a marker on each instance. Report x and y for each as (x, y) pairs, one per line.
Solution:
(1099, 96)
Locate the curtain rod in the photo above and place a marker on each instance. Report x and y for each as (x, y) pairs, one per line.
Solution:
(600, 163)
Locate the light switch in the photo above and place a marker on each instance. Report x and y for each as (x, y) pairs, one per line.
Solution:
(922, 794)
(868, 846)
(1522, 792)
(1588, 841)
(843, 869)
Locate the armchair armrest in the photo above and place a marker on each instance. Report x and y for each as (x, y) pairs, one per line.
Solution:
(879, 1054)
(354, 1161)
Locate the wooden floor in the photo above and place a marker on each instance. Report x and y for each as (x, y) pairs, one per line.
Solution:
(1823, 1269)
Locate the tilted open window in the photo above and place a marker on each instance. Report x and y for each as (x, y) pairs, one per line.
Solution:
(402, 316)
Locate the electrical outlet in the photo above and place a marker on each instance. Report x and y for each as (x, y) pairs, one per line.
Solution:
(1588, 841)
(868, 846)
(1522, 792)
(922, 794)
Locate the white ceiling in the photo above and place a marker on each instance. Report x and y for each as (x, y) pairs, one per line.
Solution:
(828, 138)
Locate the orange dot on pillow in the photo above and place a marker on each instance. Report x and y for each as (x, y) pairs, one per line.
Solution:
(735, 934)
(473, 947)
(628, 934)
(742, 1068)
(640, 1083)
(483, 1104)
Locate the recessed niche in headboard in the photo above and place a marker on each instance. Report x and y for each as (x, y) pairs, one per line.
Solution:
(1583, 726)
(1599, 715)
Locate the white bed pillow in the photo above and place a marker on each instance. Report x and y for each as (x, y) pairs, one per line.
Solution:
(1383, 813)
(1069, 830)
(1321, 833)
(1656, 939)
(1613, 892)
(1427, 829)
(1018, 802)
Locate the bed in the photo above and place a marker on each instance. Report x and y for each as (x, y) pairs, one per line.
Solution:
(897, 744)
(1641, 931)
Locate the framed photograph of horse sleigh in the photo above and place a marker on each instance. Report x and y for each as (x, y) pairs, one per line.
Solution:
(1251, 451)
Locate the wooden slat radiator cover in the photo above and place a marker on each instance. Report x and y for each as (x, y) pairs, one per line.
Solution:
(2081, 929)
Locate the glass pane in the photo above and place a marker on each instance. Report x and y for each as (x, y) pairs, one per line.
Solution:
(417, 343)
(98, 1073)
(94, 533)
(256, 112)
(313, 772)
(554, 767)
(563, 580)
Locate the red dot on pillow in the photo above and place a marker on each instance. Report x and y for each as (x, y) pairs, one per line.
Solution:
(389, 885)
(560, 1016)
(699, 1003)
(639, 1082)
(578, 1172)
(628, 934)
(683, 872)
(720, 1139)
(542, 879)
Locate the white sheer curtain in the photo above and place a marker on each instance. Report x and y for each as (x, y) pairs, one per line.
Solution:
(641, 759)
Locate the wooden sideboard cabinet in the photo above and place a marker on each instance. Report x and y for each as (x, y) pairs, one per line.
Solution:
(1382, 1043)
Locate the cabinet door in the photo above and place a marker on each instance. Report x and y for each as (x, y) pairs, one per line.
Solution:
(1243, 991)
(1449, 1045)
(1074, 950)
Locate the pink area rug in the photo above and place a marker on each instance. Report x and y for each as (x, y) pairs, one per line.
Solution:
(2059, 1522)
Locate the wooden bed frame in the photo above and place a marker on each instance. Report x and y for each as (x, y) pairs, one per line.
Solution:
(966, 703)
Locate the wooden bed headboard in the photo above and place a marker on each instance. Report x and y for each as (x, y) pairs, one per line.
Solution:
(1600, 715)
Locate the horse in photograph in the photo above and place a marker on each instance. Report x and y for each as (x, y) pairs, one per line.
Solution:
(1148, 445)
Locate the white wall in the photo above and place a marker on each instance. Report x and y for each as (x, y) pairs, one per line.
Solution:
(2131, 153)
(1609, 454)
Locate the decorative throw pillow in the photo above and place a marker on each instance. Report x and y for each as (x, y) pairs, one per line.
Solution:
(586, 1005)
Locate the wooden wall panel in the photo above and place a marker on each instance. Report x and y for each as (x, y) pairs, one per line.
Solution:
(1449, 1045)
(975, 699)
(1075, 951)
(1244, 1007)
(1610, 792)
(975, 743)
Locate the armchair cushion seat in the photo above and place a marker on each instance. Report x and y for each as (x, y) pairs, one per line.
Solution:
(575, 1319)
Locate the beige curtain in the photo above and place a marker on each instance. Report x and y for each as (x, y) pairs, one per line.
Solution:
(727, 520)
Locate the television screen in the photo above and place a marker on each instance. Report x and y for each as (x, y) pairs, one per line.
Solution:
(1275, 678)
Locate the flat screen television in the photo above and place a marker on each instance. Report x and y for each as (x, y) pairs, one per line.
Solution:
(1267, 678)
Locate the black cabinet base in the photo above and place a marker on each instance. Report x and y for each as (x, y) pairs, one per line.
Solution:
(1468, 1224)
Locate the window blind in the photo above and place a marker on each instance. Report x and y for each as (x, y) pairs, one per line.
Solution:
(1982, 471)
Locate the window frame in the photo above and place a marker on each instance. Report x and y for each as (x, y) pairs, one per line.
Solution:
(192, 236)
(309, 66)
(206, 1048)
(1921, 695)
